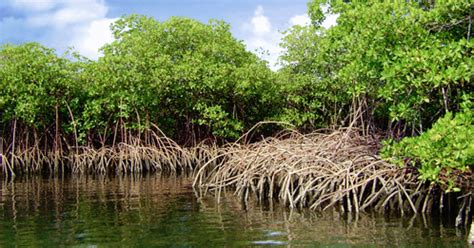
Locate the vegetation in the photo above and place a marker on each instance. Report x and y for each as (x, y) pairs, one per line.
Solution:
(397, 70)
(404, 64)
(188, 78)
(389, 66)
(443, 154)
(318, 170)
(192, 81)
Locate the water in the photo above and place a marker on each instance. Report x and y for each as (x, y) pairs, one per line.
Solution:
(163, 211)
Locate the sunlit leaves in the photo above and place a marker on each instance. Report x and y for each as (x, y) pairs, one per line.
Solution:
(442, 152)
(179, 73)
(412, 60)
(33, 79)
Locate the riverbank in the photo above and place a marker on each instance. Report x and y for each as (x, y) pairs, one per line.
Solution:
(330, 168)
(196, 82)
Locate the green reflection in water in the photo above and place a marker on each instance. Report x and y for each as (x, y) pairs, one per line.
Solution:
(163, 211)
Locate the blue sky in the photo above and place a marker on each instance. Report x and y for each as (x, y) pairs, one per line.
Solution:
(83, 24)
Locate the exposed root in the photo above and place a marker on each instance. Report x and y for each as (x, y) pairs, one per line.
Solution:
(135, 157)
(318, 170)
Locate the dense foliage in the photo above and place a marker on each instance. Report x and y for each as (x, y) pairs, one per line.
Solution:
(187, 77)
(395, 66)
(390, 66)
(192, 80)
(402, 63)
(35, 88)
(443, 153)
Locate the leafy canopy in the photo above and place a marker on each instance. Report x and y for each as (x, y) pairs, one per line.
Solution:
(407, 61)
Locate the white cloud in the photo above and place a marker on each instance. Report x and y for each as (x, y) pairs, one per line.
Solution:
(330, 20)
(69, 15)
(33, 5)
(79, 23)
(93, 36)
(79, 14)
(301, 20)
(304, 20)
(261, 37)
(260, 23)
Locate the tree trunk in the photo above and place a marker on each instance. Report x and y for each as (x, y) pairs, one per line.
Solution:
(56, 135)
(470, 238)
(13, 148)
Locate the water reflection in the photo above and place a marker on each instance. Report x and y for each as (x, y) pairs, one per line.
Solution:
(164, 211)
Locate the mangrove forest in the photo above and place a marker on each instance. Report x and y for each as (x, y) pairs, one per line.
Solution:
(373, 113)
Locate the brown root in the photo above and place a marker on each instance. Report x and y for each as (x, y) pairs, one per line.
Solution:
(317, 170)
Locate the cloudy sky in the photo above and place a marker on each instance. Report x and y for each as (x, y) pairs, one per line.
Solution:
(84, 24)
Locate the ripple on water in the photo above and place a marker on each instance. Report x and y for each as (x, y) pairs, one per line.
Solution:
(274, 233)
(160, 211)
(269, 242)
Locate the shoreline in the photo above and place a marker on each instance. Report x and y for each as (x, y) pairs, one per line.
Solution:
(340, 168)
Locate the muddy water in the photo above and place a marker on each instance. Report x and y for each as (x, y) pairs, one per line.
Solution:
(163, 211)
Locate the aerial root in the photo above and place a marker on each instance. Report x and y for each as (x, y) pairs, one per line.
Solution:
(317, 170)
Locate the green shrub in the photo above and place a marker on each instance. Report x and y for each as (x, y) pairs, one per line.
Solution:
(187, 77)
(403, 63)
(440, 154)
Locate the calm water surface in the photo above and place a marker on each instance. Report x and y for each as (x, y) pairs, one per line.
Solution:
(163, 211)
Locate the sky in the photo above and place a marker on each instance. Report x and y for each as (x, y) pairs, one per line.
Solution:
(84, 24)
